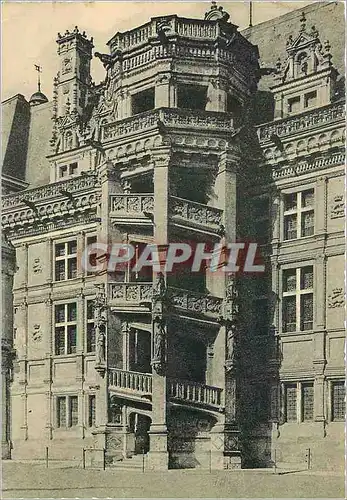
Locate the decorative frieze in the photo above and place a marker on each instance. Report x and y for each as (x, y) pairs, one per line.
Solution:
(306, 166)
(130, 294)
(127, 204)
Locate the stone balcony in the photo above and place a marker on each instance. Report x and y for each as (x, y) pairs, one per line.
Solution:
(303, 122)
(132, 296)
(195, 29)
(137, 385)
(170, 119)
(131, 208)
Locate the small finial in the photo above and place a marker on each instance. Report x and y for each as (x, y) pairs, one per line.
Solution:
(278, 65)
(327, 46)
(303, 22)
(38, 68)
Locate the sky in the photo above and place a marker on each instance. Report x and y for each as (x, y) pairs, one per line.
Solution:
(29, 31)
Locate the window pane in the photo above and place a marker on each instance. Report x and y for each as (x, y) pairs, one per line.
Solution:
(72, 312)
(289, 284)
(290, 225)
(90, 309)
(60, 249)
(60, 341)
(307, 198)
(290, 201)
(61, 412)
(294, 105)
(306, 278)
(60, 270)
(72, 247)
(90, 337)
(73, 411)
(338, 401)
(307, 311)
(92, 408)
(290, 402)
(307, 224)
(289, 314)
(60, 313)
(71, 339)
(307, 402)
(72, 268)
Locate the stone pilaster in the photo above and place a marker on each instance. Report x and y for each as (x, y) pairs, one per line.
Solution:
(162, 91)
(320, 209)
(158, 454)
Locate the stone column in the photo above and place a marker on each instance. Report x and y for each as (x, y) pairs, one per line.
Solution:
(320, 208)
(158, 454)
(227, 430)
(49, 345)
(162, 91)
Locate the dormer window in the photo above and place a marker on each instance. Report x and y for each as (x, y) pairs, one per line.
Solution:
(67, 170)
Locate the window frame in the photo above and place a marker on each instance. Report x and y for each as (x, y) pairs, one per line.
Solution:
(89, 321)
(91, 419)
(65, 324)
(298, 293)
(65, 258)
(331, 394)
(68, 412)
(299, 211)
(299, 402)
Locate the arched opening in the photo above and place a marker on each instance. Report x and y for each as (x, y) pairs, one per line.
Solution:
(139, 425)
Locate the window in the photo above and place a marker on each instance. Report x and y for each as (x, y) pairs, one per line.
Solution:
(62, 171)
(294, 105)
(299, 214)
(192, 97)
(143, 101)
(65, 260)
(91, 240)
(310, 99)
(67, 411)
(338, 401)
(65, 328)
(90, 326)
(307, 402)
(297, 309)
(91, 410)
(73, 168)
(299, 402)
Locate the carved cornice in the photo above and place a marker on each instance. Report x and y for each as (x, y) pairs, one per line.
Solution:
(306, 166)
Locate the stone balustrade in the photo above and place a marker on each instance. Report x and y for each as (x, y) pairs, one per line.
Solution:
(170, 118)
(194, 302)
(130, 381)
(309, 120)
(47, 191)
(129, 294)
(187, 28)
(192, 392)
(195, 213)
(134, 294)
(180, 210)
(131, 204)
(178, 390)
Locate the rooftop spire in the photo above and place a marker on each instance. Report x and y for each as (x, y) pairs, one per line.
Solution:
(39, 70)
(38, 97)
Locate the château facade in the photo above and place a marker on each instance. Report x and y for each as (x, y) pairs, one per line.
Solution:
(190, 137)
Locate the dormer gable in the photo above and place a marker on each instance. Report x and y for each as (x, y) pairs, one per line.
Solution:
(307, 77)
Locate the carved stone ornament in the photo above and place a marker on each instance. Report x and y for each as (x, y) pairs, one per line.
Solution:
(159, 289)
(37, 333)
(159, 345)
(337, 208)
(336, 298)
(37, 266)
(100, 323)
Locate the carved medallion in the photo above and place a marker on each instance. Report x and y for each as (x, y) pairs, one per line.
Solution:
(37, 266)
(336, 298)
(37, 333)
(337, 208)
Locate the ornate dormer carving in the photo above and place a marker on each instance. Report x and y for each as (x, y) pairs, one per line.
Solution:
(216, 13)
(306, 78)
